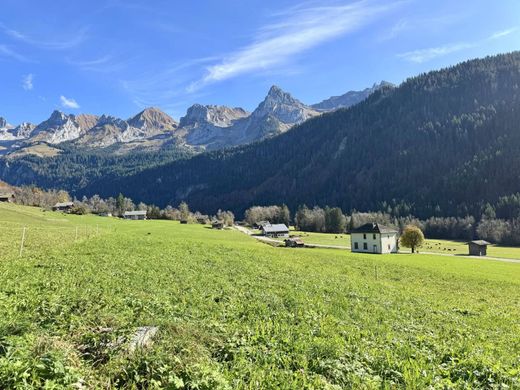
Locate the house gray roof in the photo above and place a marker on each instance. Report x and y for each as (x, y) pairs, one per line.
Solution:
(136, 212)
(374, 228)
(277, 228)
(64, 204)
(479, 242)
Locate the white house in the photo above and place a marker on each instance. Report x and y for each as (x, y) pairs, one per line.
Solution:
(374, 238)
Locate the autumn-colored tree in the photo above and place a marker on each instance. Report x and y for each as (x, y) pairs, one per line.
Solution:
(412, 237)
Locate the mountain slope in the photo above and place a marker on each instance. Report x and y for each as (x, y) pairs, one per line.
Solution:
(349, 99)
(441, 143)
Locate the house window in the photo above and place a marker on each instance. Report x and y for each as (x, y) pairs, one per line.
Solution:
(365, 246)
(374, 236)
(364, 236)
(356, 246)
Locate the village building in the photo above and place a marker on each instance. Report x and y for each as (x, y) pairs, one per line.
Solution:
(478, 247)
(135, 215)
(277, 230)
(7, 198)
(294, 242)
(105, 214)
(260, 224)
(217, 225)
(63, 206)
(374, 238)
(184, 221)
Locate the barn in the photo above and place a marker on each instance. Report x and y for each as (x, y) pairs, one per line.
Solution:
(135, 215)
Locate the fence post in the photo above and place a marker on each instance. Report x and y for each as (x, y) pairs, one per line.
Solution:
(23, 239)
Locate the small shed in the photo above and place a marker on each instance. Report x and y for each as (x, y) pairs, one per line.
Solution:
(277, 230)
(478, 247)
(184, 221)
(7, 198)
(217, 225)
(135, 215)
(63, 206)
(294, 242)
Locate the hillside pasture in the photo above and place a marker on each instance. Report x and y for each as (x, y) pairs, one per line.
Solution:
(233, 313)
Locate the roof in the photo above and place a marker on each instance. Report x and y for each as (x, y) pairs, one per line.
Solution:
(137, 212)
(6, 195)
(64, 204)
(277, 228)
(374, 228)
(479, 242)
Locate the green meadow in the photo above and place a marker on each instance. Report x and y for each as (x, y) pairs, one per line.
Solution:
(234, 313)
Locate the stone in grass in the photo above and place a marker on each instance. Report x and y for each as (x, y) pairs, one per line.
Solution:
(142, 338)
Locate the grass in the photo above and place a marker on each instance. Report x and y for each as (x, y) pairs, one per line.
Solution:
(461, 248)
(323, 238)
(234, 313)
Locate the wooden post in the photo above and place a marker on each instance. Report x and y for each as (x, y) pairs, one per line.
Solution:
(23, 240)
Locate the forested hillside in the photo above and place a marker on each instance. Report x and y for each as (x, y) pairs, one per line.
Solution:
(73, 168)
(442, 143)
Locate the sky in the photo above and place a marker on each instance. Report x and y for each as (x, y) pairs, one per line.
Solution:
(118, 57)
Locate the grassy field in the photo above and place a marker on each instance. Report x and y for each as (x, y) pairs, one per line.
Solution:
(234, 313)
(323, 238)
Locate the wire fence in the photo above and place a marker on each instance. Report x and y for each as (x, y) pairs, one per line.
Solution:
(18, 240)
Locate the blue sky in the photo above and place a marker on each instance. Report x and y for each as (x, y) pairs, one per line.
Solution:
(119, 56)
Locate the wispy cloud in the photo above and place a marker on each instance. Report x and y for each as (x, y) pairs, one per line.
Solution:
(504, 33)
(72, 40)
(102, 64)
(27, 82)
(424, 55)
(68, 103)
(428, 54)
(6, 51)
(431, 24)
(296, 31)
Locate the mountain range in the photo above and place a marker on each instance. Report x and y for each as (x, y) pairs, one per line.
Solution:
(444, 143)
(206, 127)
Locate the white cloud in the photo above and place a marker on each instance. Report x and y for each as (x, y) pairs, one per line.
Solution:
(61, 43)
(8, 52)
(424, 55)
(27, 82)
(296, 31)
(504, 33)
(68, 103)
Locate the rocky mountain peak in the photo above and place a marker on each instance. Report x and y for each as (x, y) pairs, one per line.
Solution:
(220, 116)
(4, 124)
(153, 118)
(283, 107)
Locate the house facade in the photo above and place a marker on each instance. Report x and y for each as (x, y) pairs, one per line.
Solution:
(374, 238)
(135, 215)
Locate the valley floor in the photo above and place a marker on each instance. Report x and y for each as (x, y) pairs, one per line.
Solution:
(234, 313)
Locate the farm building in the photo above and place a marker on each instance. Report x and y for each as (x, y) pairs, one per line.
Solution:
(294, 242)
(277, 230)
(135, 215)
(260, 224)
(6, 198)
(478, 247)
(63, 206)
(374, 238)
(184, 221)
(217, 225)
(105, 214)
